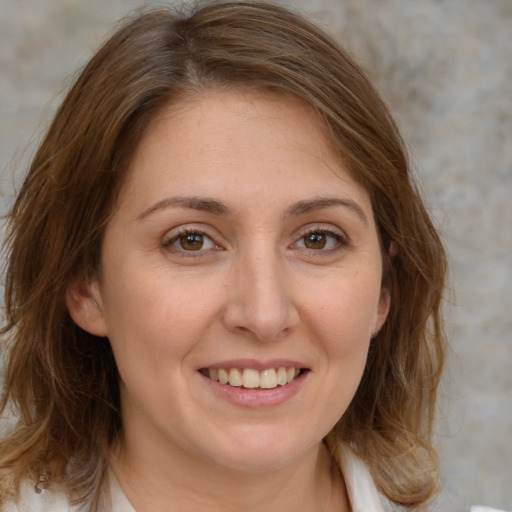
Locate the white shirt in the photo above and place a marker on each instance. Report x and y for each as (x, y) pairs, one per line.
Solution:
(362, 492)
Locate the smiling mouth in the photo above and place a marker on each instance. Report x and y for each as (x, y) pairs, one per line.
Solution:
(249, 378)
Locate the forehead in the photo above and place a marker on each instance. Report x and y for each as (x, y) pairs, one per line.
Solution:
(246, 108)
(236, 142)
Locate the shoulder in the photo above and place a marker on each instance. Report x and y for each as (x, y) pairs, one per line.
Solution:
(46, 500)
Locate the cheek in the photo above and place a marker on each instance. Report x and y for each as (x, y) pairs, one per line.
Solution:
(345, 309)
(342, 334)
(157, 316)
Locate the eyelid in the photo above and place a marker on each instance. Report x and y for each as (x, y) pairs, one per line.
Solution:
(174, 234)
(336, 233)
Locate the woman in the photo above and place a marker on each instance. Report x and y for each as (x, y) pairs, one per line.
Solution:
(223, 290)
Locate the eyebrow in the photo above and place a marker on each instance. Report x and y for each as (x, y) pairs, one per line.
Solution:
(209, 205)
(202, 204)
(321, 203)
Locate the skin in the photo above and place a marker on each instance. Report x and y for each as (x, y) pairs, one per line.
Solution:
(253, 291)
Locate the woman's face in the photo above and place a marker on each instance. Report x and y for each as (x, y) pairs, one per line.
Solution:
(241, 250)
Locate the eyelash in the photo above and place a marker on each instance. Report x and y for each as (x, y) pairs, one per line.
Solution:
(187, 232)
(338, 239)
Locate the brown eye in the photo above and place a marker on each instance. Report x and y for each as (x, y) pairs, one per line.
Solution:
(191, 241)
(321, 240)
(188, 241)
(315, 240)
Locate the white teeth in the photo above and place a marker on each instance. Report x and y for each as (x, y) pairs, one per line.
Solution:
(235, 377)
(281, 377)
(268, 379)
(223, 376)
(250, 378)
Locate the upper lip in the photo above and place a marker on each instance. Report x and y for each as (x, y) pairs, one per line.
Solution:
(257, 364)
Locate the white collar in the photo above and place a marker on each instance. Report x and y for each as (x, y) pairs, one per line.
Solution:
(362, 493)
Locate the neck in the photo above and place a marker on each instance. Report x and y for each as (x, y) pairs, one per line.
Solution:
(156, 482)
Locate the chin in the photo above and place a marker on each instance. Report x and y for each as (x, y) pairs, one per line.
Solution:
(259, 453)
(265, 463)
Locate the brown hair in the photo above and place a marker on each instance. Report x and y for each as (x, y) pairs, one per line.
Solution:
(62, 383)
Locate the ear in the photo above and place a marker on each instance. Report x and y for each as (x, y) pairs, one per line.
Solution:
(381, 312)
(83, 301)
(385, 295)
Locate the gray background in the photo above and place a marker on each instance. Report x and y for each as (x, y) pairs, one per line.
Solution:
(445, 67)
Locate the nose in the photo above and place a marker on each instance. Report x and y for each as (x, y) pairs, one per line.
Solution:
(259, 300)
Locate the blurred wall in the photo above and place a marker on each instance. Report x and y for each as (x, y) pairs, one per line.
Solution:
(445, 67)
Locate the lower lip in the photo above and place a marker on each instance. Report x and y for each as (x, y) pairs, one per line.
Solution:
(257, 398)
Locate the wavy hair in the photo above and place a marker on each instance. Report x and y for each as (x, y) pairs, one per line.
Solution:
(62, 383)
